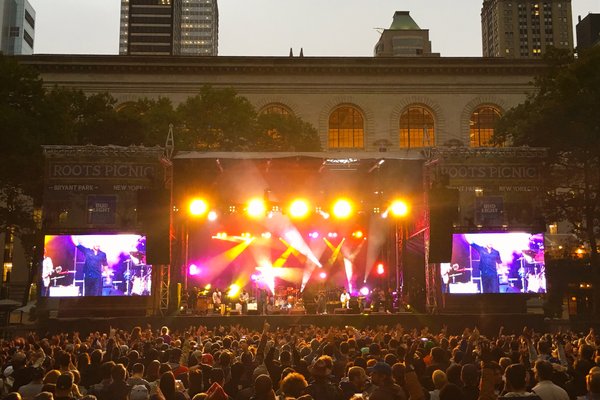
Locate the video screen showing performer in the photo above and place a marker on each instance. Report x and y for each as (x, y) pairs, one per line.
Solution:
(508, 262)
(95, 265)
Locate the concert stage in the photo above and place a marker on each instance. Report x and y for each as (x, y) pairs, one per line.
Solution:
(487, 323)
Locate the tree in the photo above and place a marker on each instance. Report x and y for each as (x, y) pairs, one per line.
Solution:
(155, 116)
(563, 116)
(217, 119)
(222, 120)
(21, 161)
(282, 132)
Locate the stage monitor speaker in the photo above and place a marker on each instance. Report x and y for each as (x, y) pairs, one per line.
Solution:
(443, 210)
(153, 216)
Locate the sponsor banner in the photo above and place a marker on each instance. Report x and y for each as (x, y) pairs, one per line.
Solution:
(102, 209)
(489, 210)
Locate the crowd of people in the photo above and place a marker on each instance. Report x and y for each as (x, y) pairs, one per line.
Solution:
(304, 363)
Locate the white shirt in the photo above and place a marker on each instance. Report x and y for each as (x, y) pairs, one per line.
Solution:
(47, 269)
(549, 391)
(345, 300)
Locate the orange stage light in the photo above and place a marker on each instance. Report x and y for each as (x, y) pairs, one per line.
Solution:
(342, 209)
(256, 208)
(198, 207)
(358, 234)
(399, 208)
(299, 208)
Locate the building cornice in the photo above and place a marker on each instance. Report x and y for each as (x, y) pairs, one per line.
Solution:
(280, 65)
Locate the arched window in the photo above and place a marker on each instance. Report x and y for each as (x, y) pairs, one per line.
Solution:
(346, 128)
(128, 106)
(275, 108)
(416, 127)
(482, 125)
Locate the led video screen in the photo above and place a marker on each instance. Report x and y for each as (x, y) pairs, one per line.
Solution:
(95, 265)
(509, 262)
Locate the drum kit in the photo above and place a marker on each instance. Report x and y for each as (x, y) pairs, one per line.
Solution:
(532, 272)
(137, 277)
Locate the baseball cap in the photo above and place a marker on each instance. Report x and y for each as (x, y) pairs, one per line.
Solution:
(382, 368)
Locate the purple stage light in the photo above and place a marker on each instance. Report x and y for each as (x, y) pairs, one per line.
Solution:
(194, 270)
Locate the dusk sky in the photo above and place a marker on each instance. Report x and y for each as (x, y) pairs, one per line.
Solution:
(271, 27)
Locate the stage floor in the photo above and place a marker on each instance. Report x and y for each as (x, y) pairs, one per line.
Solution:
(487, 323)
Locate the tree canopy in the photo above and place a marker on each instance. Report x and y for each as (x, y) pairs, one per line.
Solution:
(563, 116)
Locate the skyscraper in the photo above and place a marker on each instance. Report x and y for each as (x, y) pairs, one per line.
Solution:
(149, 27)
(525, 28)
(199, 28)
(169, 27)
(404, 38)
(17, 27)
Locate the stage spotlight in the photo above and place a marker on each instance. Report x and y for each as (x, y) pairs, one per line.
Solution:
(212, 216)
(266, 235)
(399, 208)
(313, 235)
(358, 234)
(194, 270)
(323, 275)
(342, 209)
(198, 207)
(380, 269)
(364, 291)
(332, 235)
(234, 290)
(256, 208)
(299, 209)
(208, 286)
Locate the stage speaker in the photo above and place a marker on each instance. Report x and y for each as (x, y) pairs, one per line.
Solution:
(153, 216)
(443, 210)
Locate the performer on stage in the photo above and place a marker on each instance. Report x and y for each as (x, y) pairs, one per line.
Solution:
(321, 301)
(376, 299)
(192, 301)
(244, 298)
(216, 299)
(95, 259)
(445, 270)
(345, 299)
(47, 271)
(263, 297)
(489, 259)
